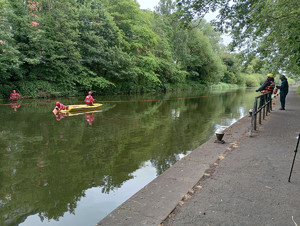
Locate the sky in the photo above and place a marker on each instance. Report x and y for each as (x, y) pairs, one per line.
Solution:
(150, 4)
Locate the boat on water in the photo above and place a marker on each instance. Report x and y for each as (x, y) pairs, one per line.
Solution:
(80, 108)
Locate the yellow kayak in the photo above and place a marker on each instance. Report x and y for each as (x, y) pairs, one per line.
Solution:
(81, 107)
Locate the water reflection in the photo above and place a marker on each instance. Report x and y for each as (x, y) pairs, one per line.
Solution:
(88, 115)
(15, 105)
(50, 170)
(89, 118)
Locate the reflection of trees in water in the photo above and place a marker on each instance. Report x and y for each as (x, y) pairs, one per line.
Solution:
(55, 162)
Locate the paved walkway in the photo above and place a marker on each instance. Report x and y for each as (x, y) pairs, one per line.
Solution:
(241, 182)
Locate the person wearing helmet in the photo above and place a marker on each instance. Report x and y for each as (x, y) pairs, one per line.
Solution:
(268, 85)
(14, 96)
(284, 89)
(89, 100)
(59, 106)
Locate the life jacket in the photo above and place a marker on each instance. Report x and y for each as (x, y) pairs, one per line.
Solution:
(87, 99)
(271, 86)
(60, 107)
(14, 96)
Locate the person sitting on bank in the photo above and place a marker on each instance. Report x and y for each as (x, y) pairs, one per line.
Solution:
(14, 96)
(284, 89)
(268, 85)
(89, 100)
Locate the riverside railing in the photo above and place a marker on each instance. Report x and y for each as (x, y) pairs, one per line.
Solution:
(262, 106)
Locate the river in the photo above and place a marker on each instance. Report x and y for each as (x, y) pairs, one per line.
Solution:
(75, 170)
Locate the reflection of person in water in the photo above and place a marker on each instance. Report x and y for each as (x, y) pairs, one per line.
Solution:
(60, 116)
(89, 118)
(15, 105)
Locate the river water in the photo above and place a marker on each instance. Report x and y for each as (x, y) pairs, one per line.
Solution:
(75, 170)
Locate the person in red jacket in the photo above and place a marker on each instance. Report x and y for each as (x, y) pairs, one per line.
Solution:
(14, 96)
(89, 99)
(59, 106)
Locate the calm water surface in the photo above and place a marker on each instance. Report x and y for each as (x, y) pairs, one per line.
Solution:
(75, 170)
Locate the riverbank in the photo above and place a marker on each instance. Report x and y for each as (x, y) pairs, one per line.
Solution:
(232, 183)
(52, 92)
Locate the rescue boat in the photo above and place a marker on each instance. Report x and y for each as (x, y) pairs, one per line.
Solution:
(80, 108)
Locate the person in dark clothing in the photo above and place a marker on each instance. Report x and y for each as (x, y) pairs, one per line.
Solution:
(284, 89)
(268, 85)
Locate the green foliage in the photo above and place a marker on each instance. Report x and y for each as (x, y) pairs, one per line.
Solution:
(241, 80)
(222, 85)
(40, 89)
(5, 90)
(10, 60)
(148, 65)
(229, 77)
(203, 63)
(269, 29)
(111, 47)
(291, 81)
(253, 80)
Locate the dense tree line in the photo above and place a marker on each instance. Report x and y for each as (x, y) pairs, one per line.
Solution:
(52, 47)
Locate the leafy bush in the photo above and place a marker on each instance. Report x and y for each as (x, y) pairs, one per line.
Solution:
(241, 80)
(5, 90)
(291, 81)
(223, 85)
(38, 89)
(253, 80)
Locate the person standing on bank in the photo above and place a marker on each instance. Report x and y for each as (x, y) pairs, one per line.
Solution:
(268, 85)
(284, 89)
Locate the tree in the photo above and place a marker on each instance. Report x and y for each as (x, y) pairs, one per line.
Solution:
(44, 33)
(270, 29)
(140, 42)
(203, 63)
(98, 43)
(233, 68)
(9, 55)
